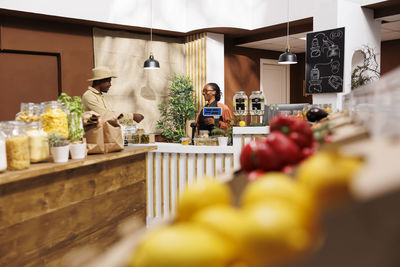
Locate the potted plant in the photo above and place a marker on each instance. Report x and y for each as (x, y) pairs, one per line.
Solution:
(222, 136)
(75, 126)
(59, 147)
(367, 70)
(179, 108)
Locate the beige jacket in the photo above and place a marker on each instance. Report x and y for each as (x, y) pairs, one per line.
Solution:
(94, 100)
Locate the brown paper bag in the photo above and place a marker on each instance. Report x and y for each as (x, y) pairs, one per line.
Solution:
(103, 135)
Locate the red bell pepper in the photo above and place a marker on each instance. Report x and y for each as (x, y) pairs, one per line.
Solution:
(285, 149)
(298, 130)
(259, 155)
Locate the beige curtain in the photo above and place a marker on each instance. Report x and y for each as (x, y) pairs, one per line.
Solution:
(138, 90)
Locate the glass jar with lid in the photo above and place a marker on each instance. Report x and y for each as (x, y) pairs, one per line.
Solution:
(257, 103)
(54, 118)
(29, 112)
(17, 145)
(240, 103)
(38, 142)
(3, 156)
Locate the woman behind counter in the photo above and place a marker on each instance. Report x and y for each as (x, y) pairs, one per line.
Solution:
(212, 94)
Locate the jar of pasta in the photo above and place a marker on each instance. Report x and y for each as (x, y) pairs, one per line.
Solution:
(29, 112)
(54, 118)
(3, 157)
(17, 145)
(38, 142)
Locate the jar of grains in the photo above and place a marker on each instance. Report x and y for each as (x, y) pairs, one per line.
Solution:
(38, 142)
(3, 157)
(17, 145)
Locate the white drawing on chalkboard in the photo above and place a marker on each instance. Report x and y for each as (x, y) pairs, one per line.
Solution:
(334, 81)
(336, 34)
(328, 45)
(315, 48)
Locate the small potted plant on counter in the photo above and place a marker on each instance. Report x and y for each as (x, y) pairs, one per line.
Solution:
(222, 136)
(75, 126)
(59, 147)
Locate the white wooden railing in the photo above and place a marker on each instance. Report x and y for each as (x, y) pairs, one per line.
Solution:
(173, 167)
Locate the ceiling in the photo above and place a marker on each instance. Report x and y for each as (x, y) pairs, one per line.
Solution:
(390, 30)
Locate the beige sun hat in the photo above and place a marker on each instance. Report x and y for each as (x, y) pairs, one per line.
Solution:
(101, 73)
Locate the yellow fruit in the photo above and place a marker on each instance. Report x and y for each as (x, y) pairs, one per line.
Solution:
(204, 193)
(280, 186)
(242, 123)
(274, 232)
(183, 244)
(328, 175)
(225, 220)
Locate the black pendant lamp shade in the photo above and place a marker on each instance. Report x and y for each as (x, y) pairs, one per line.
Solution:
(287, 57)
(151, 63)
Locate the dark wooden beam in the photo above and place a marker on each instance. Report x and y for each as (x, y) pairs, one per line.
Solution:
(278, 30)
(385, 9)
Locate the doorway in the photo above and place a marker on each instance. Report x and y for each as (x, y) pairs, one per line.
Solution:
(274, 81)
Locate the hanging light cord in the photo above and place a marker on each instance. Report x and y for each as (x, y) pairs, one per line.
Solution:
(151, 26)
(287, 28)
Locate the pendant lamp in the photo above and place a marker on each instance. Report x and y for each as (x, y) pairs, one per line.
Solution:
(287, 57)
(151, 63)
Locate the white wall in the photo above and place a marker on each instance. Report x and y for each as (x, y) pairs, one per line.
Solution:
(215, 60)
(360, 29)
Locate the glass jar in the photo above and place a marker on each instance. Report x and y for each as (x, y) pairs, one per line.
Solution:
(257, 104)
(29, 112)
(240, 104)
(17, 145)
(54, 118)
(38, 142)
(3, 156)
(203, 133)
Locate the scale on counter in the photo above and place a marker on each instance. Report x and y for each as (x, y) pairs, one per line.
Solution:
(215, 112)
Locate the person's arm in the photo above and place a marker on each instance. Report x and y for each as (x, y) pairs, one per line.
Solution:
(226, 117)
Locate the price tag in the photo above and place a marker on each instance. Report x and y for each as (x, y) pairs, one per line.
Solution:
(212, 111)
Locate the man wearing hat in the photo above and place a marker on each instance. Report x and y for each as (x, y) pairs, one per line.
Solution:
(93, 99)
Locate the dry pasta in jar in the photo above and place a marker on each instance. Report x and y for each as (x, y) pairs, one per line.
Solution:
(54, 119)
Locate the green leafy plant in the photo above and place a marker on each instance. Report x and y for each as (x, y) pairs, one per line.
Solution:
(367, 71)
(218, 132)
(75, 109)
(57, 140)
(179, 108)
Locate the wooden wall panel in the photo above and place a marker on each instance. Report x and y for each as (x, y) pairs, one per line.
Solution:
(70, 43)
(242, 72)
(390, 55)
(26, 78)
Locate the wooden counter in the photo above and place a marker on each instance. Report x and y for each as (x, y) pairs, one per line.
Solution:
(49, 209)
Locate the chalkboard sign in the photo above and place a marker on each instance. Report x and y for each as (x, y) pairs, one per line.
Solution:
(324, 61)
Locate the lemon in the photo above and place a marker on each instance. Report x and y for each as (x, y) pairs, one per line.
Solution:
(204, 193)
(225, 220)
(242, 123)
(183, 244)
(276, 185)
(274, 233)
(328, 175)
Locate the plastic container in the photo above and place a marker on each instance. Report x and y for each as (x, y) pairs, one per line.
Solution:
(54, 118)
(38, 142)
(257, 103)
(240, 104)
(3, 156)
(17, 145)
